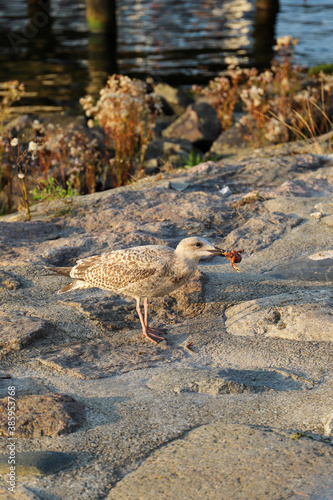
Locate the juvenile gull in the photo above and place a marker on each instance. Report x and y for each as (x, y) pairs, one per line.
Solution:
(140, 272)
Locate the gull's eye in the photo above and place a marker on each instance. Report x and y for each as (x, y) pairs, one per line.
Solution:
(198, 245)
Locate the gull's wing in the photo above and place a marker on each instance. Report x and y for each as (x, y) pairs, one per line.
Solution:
(118, 269)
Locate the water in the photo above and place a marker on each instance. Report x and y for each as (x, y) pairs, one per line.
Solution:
(312, 24)
(179, 42)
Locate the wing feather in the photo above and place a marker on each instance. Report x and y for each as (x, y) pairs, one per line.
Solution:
(122, 268)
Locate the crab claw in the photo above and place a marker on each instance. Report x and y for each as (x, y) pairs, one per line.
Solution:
(233, 257)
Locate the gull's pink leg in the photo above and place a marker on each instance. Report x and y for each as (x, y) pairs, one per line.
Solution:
(160, 331)
(149, 335)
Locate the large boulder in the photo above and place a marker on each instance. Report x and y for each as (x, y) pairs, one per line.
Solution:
(174, 101)
(199, 125)
(170, 150)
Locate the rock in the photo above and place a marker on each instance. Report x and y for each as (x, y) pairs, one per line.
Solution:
(315, 267)
(16, 124)
(23, 386)
(19, 330)
(8, 281)
(101, 359)
(230, 381)
(38, 463)
(42, 415)
(31, 232)
(174, 100)
(259, 232)
(261, 353)
(175, 151)
(227, 461)
(328, 425)
(114, 312)
(298, 316)
(199, 125)
(231, 141)
(328, 220)
(202, 381)
(20, 492)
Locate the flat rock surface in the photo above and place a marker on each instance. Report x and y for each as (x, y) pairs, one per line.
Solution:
(298, 316)
(236, 402)
(231, 465)
(19, 330)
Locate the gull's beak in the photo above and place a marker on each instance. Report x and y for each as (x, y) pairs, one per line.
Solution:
(217, 251)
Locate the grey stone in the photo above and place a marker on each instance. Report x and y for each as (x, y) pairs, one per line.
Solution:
(298, 316)
(19, 330)
(231, 142)
(219, 461)
(215, 381)
(8, 281)
(30, 232)
(17, 124)
(316, 267)
(174, 100)
(139, 398)
(38, 462)
(328, 425)
(23, 386)
(101, 359)
(199, 125)
(173, 150)
(259, 232)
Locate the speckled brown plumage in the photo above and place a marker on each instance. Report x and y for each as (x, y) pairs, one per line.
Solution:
(141, 272)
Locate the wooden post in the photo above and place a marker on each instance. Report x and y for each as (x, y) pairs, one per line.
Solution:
(101, 17)
(264, 31)
(271, 5)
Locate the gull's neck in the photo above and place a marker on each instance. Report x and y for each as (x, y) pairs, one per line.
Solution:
(184, 264)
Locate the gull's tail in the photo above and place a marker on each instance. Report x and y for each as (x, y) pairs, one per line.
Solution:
(73, 285)
(65, 271)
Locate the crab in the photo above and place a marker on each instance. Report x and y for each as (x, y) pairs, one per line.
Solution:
(233, 257)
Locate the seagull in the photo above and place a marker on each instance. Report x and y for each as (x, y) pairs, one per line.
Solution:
(141, 272)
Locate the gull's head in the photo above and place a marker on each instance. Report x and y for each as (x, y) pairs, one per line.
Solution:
(195, 248)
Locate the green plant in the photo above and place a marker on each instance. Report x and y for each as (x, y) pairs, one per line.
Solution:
(325, 68)
(49, 190)
(192, 159)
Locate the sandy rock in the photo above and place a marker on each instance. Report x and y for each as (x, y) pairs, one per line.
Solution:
(17, 124)
(18, 330)
(199, 125)
(328, 425)
(20, 491)
(231, 141)
(315, 267)
(297, 317)
(204, 381)
(259, 232)
(231, 381)
(42, 415)
(225, 461)
(8, 281)
(140, 399)
(102, 359)
(23, 386)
